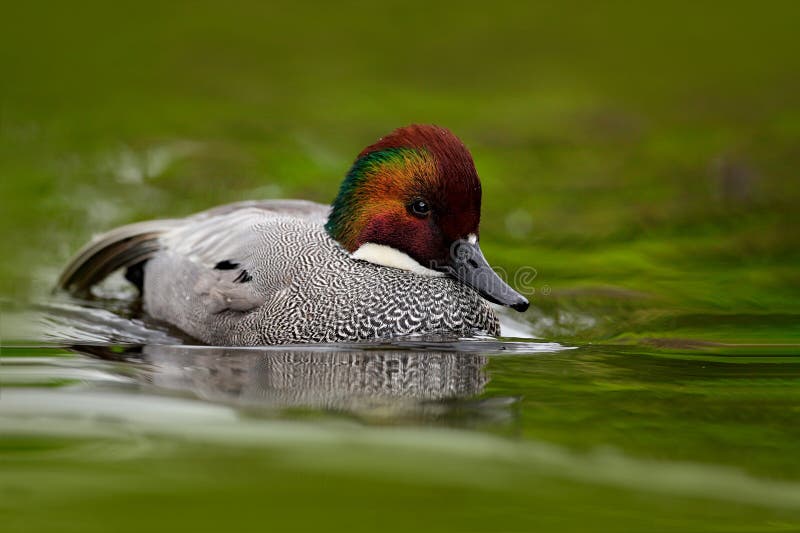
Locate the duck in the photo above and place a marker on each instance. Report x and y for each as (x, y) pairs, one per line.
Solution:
(396, 254)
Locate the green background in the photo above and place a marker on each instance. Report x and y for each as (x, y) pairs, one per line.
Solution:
(644, 155)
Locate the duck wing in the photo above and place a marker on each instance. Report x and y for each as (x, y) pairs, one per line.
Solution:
(121, 247)
(219, 241)
(211, 258)
(214, 270)
(300, 209)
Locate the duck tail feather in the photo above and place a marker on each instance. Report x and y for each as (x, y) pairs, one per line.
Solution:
(122, 247)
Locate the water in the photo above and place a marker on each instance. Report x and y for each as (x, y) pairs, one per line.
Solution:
(440, 433)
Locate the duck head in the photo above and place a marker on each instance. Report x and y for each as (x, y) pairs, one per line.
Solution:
(412, 200)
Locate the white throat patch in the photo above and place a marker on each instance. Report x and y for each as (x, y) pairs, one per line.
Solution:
(383, 255)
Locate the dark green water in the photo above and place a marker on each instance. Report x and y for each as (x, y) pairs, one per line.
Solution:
(639, 166)
(461, 436)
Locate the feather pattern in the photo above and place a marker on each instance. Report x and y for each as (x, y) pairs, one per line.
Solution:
(303, 286)
(277, 272)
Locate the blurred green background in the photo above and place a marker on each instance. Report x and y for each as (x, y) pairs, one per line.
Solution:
(642, 157)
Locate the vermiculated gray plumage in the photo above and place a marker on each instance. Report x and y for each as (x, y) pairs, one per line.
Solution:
(268, 273)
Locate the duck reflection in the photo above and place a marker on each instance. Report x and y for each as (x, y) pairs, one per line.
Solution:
(388, 384)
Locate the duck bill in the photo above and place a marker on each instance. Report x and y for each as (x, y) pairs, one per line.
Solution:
(468, 265)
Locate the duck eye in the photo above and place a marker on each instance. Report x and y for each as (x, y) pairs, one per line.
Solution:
(420, 208)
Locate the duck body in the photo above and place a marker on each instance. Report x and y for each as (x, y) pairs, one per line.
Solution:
(395, 254)
(259, 273)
